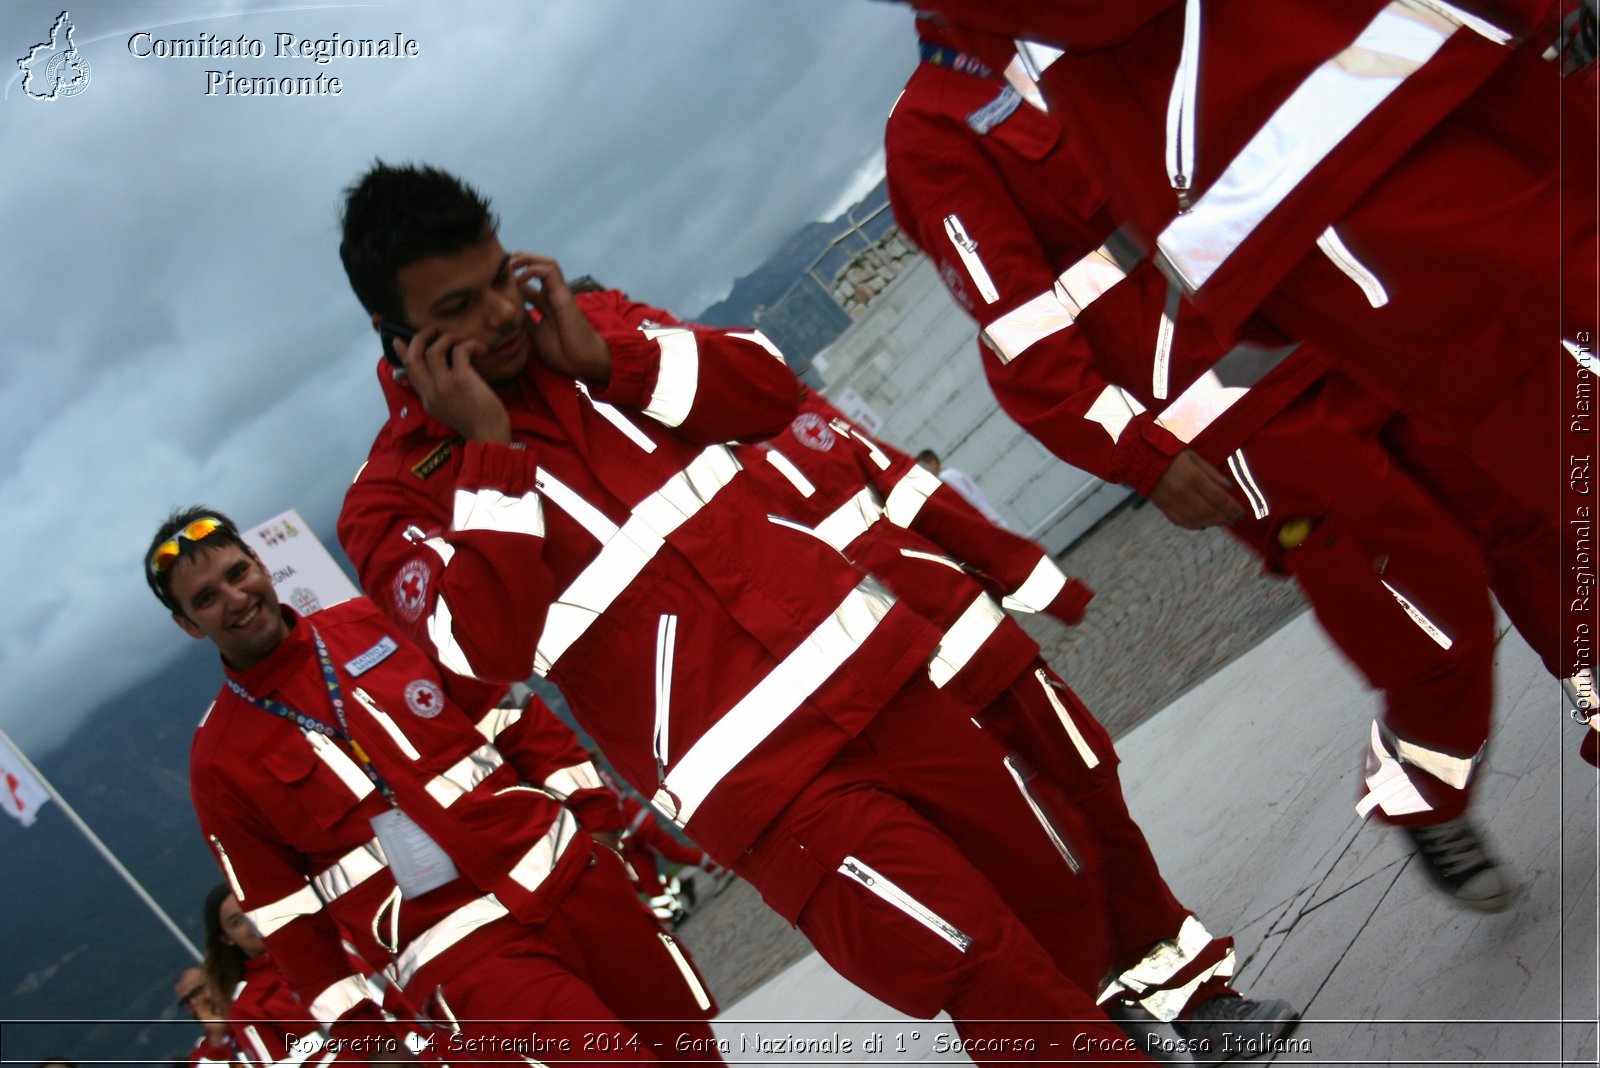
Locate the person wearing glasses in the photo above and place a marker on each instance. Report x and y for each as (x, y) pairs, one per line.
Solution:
(214, 1046)
(351, 789)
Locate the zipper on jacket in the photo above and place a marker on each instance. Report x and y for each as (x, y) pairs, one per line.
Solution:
(903, 901)
(701, 998)
(967, 249)
(1181, 108)
(666, 639)
(1052, 830)
(1341, 256)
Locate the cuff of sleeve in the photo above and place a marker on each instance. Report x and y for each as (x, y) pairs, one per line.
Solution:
(1143, 453)
(635, 359)
(1069, 604)
(596, 810)
(511, 469)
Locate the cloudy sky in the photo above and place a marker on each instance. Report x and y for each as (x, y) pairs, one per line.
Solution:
(176, 324)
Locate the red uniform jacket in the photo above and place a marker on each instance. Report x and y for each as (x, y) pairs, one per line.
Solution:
(718, 658)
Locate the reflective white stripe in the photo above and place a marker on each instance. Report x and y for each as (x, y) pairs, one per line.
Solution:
(340, 764)
(958, 644)
(496, 720)
(1090, 759)
(1316, 117)
(340, 998)
(1114, 409)
(771, 701)
(760, 339)
(666, 644)
(967, 249)
(452, 784)
(489, 509)
(207, 714)
(1478, 26)
(445, 550)
(1165, 960)
(1043, 585)
(903, 901)
(1240, 469)
(1451, 770)
(1086, 281)
(701, 998)
(1353, 268)
(1046, 821)
(350, 871)
(537, 863)
(610, 414)
(581, 511)
(258, 1047)
(1429, 627)
(1181, 105)
(442, 633)
(1019, 74)
(1036, 56)
(271, 918)
(1019, 329)
(389, 906)
(447, 932)
(788, 470)
(565, 782)
(396, 735)
(1388, 786)
(677, 377)
(851, 519)
(1198, 406)
(909, 495)
(629, 550)
(1161, 368)
(227, 868)
(934, 558)
(1584, 355)
(877, 455)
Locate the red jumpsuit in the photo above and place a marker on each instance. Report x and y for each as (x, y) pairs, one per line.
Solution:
(532, 923)
(644, 839)
(262, 1016)
(768, 696)
(1105, 363)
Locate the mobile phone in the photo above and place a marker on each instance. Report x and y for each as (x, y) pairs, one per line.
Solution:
(388, 330)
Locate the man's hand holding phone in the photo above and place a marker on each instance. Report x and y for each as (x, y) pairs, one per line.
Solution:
(563, 338)
(439, 365)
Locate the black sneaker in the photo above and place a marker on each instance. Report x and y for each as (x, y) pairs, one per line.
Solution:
(1156, 1040)
(1455, 860)
(1232, 1026)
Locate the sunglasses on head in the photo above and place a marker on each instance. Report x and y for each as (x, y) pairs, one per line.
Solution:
(167, 553)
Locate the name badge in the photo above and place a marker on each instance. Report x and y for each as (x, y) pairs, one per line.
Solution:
(415, 859)
(371, 658)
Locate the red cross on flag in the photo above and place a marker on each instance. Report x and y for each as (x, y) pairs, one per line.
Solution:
(20, 793)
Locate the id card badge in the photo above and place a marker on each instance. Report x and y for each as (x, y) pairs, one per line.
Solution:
(415, 860)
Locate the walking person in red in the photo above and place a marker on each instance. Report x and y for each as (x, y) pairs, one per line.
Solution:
(351, 789)
(251, 994)
(769, 697)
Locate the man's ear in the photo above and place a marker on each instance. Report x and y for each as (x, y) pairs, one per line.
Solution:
(377, 322)
(187, 625)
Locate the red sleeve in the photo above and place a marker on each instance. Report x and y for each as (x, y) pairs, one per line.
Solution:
(1040, 363)
(1078, 25)
(546, 752)
(467, 584)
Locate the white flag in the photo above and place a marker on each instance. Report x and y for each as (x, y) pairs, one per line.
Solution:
(20, 793)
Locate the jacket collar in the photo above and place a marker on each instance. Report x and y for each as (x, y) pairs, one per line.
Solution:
(289, 657)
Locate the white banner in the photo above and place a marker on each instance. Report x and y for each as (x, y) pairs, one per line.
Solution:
(20, 793)
(303, 572)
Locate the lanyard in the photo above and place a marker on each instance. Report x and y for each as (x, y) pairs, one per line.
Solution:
(311, 723)
(945, 56)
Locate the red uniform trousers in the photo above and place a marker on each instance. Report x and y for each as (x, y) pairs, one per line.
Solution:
(1378, 538)
(921, 872)
(599, 960)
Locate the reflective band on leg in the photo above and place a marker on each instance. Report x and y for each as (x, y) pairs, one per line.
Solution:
(1054, 833)
(1043, 585)
(1388, 786)
(340, 998)
(1144, 982)
(447, 932)
(677, 376)
(889, 892)
(965, 636)
(1431, 629)
(772, 700)
(690, 979)
(1090, 759)
(1353, 268)
(271, 918)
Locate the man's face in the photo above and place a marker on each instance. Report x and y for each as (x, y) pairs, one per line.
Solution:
(237, 930)
(193, 996)
(473, 294)
(226, 595)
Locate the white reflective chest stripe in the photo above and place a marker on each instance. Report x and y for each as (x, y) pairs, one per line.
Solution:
(390, 727)
(1081, 744)
(1317, 116)
(677, 376)
(851, 519)
(959, 644)
(628, 549)
(1043, 585)
(227, 867)
(788, 470)
(609, 413)
(771, 701)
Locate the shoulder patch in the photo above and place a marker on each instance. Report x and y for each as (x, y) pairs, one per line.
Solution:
(435, 459)
(411, 589)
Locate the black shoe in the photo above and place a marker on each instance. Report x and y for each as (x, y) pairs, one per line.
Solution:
(1454, 858)
(686, 889)
(1232, 1026)
(1157, 1040)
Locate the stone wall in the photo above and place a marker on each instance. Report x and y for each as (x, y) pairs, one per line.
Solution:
(860, 281)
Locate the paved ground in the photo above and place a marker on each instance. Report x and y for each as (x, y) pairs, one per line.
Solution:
(1172, 607)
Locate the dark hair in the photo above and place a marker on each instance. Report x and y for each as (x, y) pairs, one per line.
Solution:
(224, 963)
(394, 216)
(927, 454)
(228, 534)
